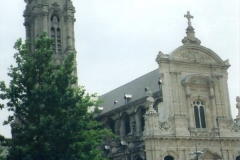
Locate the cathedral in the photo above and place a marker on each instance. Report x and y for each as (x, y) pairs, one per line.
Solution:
(180, 111)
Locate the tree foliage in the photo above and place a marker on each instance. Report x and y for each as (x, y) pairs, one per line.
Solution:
(51, 118)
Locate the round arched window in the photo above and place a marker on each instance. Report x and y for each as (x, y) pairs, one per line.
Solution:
(168, 158)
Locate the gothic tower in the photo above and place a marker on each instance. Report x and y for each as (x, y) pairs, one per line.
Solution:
(56, 17)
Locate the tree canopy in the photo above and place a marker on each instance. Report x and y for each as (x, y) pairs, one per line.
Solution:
(51, 119)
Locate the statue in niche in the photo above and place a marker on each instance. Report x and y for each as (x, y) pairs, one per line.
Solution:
(211, 92)
(55, 21)
(164, 119)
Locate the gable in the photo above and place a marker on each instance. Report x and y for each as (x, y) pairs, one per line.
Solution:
(208, 155)
(196, 54)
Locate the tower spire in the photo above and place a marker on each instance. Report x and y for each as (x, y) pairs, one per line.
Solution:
(190, 39)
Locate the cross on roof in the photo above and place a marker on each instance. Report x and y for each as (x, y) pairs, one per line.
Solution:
(189, 16)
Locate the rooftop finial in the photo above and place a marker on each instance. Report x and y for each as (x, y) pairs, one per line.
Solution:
(189, 16)
(190, 39)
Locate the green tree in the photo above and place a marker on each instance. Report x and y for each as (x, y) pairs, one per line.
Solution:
(51, 112)
(1, 157)
(2, 143)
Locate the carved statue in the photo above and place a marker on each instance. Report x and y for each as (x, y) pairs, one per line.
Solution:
(238, 105)
(55, 20)
(162, 56)
(148, 92)
(188, 91)
(211, 92)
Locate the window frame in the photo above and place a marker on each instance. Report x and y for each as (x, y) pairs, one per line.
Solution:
(199, 110)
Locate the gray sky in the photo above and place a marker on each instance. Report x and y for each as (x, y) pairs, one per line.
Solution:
(118, 41)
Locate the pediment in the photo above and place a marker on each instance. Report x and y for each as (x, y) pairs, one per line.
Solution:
(208, 155)
(196, 54)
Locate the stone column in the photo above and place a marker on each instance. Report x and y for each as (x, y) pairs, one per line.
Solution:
(182, 105)
(190, 110)
(151, 120)
(122, 129)
(212, 99)
(186, 151)
(137, 120)
(222, 93)
(151, 129)
(45, 18)
(175, 98)
(69, 29)
(117, 127)
(217, 97)
(181, 154)
(27, 29)
(225, 154)
(230, 154)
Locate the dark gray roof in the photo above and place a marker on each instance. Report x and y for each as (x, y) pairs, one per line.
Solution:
(136, 88)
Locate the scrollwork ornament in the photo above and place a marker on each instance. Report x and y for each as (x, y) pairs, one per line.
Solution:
(235, 127)
(166, 126)
(203, 134)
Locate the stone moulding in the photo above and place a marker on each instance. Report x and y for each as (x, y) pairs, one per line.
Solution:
(197, 79)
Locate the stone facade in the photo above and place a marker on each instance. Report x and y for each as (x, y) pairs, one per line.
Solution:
(195, 96)
(191, 112)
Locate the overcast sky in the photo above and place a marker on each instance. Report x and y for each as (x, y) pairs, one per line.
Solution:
(118, 40)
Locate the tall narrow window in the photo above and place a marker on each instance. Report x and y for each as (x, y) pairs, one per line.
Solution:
(111, 125)
(142, 113)
(53, 37)
(56, 34)
(203, 123)
(59, 40)
(199, 114)
(196, 113)
(127, 124)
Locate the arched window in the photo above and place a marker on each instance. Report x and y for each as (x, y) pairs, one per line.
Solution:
(127, 124)
(59, 41)
(138, 158)
(53, 37)
(111, 125)
(238, 158)
(142, 121)
(168, 158)
(56, 34)
(155, 106)
(199, 114)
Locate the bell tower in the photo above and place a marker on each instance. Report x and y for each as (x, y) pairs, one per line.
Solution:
(56, 17)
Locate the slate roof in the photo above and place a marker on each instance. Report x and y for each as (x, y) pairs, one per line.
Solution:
(136, 88)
